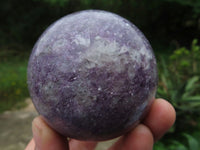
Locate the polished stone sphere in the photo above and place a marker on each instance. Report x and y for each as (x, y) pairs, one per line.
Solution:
(92, 75)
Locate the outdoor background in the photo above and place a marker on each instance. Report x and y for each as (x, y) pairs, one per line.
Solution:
(171, 26)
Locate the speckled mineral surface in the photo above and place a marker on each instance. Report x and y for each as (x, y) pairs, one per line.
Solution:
(92, 75)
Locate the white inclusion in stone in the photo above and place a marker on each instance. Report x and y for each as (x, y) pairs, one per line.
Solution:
(74, 78)
(62, 67)
(110, 54)
(49, 90)
(105, 53)
(137, 55)
(148, 56)
(41, 47)
(97, 38)
(99, 89)
(48, 86)
(127, 24)
(59, 45)
(101, 52)
(79, 40)
(57, 109)
(146, 52)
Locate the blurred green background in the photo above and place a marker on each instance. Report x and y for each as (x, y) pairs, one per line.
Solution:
(171, 26)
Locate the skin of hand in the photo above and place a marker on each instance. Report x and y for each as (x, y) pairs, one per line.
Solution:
(160, 118)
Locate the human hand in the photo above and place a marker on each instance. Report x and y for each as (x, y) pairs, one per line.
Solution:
(160, 118)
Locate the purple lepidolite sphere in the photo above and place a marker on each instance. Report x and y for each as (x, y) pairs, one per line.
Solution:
(92, 75)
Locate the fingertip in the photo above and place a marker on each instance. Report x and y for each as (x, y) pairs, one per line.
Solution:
(161, 117)
(45, 137)
(31, 145)
(139, 138)
(171, 116)
(82, 145)
(37, 125)
(134, 138)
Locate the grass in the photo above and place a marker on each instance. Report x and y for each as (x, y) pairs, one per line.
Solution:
(13, 85)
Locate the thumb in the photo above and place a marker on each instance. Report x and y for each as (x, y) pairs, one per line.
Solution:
(46, 138)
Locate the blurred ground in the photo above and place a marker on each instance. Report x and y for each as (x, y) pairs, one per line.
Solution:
(15, 129)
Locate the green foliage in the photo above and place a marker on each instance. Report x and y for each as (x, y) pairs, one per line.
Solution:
(174, 145)
(56, 2)
(13, 87)
(195, 4)
(180, 78)
(190, 144)
(186, 62)
(180, 84)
